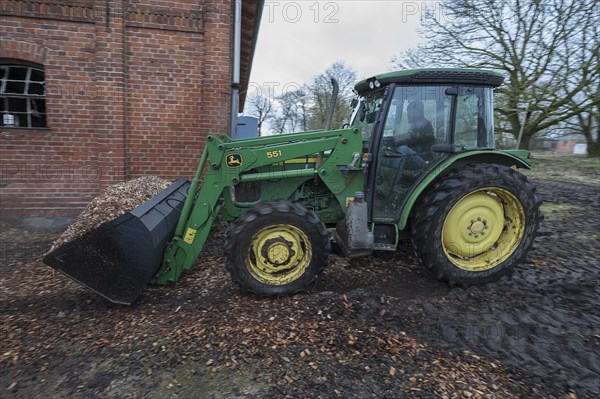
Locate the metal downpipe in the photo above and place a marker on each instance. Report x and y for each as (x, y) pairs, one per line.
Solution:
(235, 84)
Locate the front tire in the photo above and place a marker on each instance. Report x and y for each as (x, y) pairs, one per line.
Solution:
(476, 224)
(276, 248)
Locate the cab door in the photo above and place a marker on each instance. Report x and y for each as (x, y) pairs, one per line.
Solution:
(416, 118)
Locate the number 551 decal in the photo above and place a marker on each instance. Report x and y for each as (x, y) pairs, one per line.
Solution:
(273, 154)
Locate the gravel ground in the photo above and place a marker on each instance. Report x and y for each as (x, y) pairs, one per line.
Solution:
(375, 328)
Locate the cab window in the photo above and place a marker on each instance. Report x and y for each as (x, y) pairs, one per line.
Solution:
(474, 127)
(366, 112)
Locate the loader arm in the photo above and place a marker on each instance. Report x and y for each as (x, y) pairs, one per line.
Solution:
(226, 163)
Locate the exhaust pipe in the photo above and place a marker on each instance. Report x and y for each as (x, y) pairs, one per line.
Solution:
(332, 102)
(329, 120)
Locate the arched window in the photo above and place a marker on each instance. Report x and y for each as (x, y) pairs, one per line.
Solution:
(22, 96)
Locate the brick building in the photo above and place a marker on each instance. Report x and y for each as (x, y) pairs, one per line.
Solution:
(97, 91)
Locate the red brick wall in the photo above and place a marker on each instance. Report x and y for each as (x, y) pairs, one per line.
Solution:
(129, 93)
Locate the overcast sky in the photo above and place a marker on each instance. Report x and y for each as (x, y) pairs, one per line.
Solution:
(301, 39)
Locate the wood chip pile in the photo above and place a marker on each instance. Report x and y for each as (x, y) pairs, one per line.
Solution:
(114, 201)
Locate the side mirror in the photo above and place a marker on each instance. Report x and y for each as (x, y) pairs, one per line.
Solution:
(451, 91)
(362, 112)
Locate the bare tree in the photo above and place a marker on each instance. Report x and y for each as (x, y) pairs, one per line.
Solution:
(320, 93)
(261, 108)
(548, 50)
(289, 115)
(306, 108)
(587, 122)
(587, 102)
(300, 98)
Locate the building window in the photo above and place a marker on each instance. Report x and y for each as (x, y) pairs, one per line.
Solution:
(22, 96)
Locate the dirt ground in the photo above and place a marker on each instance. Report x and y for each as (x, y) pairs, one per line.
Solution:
(378, 328)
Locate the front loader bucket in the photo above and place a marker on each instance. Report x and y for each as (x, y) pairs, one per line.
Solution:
(121, 256)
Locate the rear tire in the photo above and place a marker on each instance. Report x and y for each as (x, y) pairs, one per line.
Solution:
(476, 224)
(276, 248)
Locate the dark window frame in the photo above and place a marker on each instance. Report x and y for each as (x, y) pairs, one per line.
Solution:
(14, 112)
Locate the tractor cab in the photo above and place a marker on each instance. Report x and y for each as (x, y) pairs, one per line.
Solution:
(413, 120)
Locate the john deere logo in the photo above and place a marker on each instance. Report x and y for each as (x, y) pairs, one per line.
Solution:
(234, 160)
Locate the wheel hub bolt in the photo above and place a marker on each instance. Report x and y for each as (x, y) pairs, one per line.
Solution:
(477, 226)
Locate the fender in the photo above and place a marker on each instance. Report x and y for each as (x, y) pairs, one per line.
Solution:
(517, 158)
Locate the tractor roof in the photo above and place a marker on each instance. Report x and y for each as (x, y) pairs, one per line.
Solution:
(435, 76)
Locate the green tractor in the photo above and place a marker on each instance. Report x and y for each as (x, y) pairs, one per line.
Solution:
(417, 161)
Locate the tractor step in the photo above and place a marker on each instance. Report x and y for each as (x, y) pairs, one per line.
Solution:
(120, 257)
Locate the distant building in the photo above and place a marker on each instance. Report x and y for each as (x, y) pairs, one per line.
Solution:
(572, 144)
(93, 92)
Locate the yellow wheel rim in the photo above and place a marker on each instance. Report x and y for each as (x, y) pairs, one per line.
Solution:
(483, 229)
(278, 254)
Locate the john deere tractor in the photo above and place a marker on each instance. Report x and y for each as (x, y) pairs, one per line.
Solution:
(417, 161)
